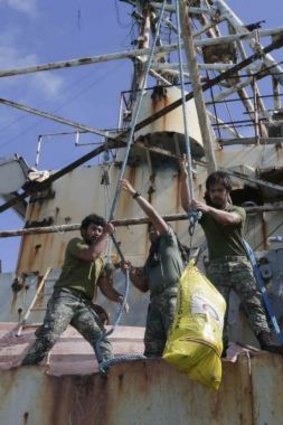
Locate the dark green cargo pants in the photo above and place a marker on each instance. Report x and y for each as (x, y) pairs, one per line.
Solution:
(64, 308)
(238, 275)
(160, 317)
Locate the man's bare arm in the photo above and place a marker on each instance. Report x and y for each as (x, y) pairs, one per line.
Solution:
(150, 211)
(223, 217)
(105, 284)
(97, 248)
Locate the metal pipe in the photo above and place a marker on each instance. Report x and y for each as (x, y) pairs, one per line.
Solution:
(196, 85)
(118, 143)
(251, 141)
(53, 117)
(259, 182)
(125, 222)
(135, 116)
(128, 54)
(234, 20)
(230, 72)
(205, 66)
(37, 186)
(236, 37)
(276, 91)
(186, 130)
(133, 53)
(193, 10)
(224, 126)
(224, 94)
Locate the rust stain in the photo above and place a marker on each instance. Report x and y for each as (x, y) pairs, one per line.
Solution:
(160, 101)
(25, 418)
(150, 391)
(132, 176)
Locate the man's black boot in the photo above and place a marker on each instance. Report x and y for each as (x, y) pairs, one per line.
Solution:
(266, 343)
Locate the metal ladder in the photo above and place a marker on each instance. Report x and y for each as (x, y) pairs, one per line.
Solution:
(31, 307)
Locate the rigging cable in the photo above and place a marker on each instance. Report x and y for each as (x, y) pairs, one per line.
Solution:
(67, 102)
(193, 215)
(103, 366)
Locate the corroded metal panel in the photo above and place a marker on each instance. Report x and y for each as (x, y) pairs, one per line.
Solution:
(173, 121)
(144, 393)
(16, 296)
(266, 379)
(81, 193)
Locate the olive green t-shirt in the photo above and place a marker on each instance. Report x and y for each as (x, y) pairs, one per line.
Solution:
(224, 240)
(78, 274)
(168, 268)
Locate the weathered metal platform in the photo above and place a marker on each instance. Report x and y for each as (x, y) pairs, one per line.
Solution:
(70, 391)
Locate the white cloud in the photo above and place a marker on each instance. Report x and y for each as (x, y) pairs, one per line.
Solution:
(11, 57)
(46, 83)
(26, 6)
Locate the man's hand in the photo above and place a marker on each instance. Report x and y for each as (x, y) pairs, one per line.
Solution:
(109, 228)
(126, 306)
(201, 206)
(125, 265)
(183, 163)
(127, 187)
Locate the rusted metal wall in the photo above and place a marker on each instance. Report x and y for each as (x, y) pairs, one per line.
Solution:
(15, 300)
(173, 121)
(145, 393)
(80, 193)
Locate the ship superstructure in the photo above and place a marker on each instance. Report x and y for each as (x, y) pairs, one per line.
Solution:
(230, 84)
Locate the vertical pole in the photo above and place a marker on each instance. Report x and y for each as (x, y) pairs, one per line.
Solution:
(196, 85)
(276, 91)
(256, 126)
(39, 142)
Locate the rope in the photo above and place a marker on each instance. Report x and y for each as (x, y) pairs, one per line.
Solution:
(117, 189)
(193, 215)
(135, 116)
(104, 366)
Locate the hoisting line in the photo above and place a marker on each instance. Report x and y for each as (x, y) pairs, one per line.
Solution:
(103, 365)
(193, 214)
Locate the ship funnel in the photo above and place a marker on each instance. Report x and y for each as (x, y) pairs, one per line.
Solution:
(167, 132)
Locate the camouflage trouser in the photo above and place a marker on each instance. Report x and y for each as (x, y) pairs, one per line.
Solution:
(64, 308)
(160, 316)
(238, 275)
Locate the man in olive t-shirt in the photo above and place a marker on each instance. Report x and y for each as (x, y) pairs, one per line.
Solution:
(71, 302)
(228, 267)
(159, 276)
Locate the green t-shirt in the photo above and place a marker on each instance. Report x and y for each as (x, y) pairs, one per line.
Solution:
(168, 266)
(224, 240)
(78, 274)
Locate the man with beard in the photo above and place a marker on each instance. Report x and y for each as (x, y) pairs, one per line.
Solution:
(71, 302)
(228, 267)
(159, 276)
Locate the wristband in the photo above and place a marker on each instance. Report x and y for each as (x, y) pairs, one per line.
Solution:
(136, 195)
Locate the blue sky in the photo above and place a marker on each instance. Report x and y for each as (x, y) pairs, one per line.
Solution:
(35, 32)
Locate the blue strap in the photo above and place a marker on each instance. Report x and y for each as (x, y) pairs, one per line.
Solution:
(262, 288)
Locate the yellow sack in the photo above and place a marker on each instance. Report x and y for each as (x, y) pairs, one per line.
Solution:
(194, 345)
